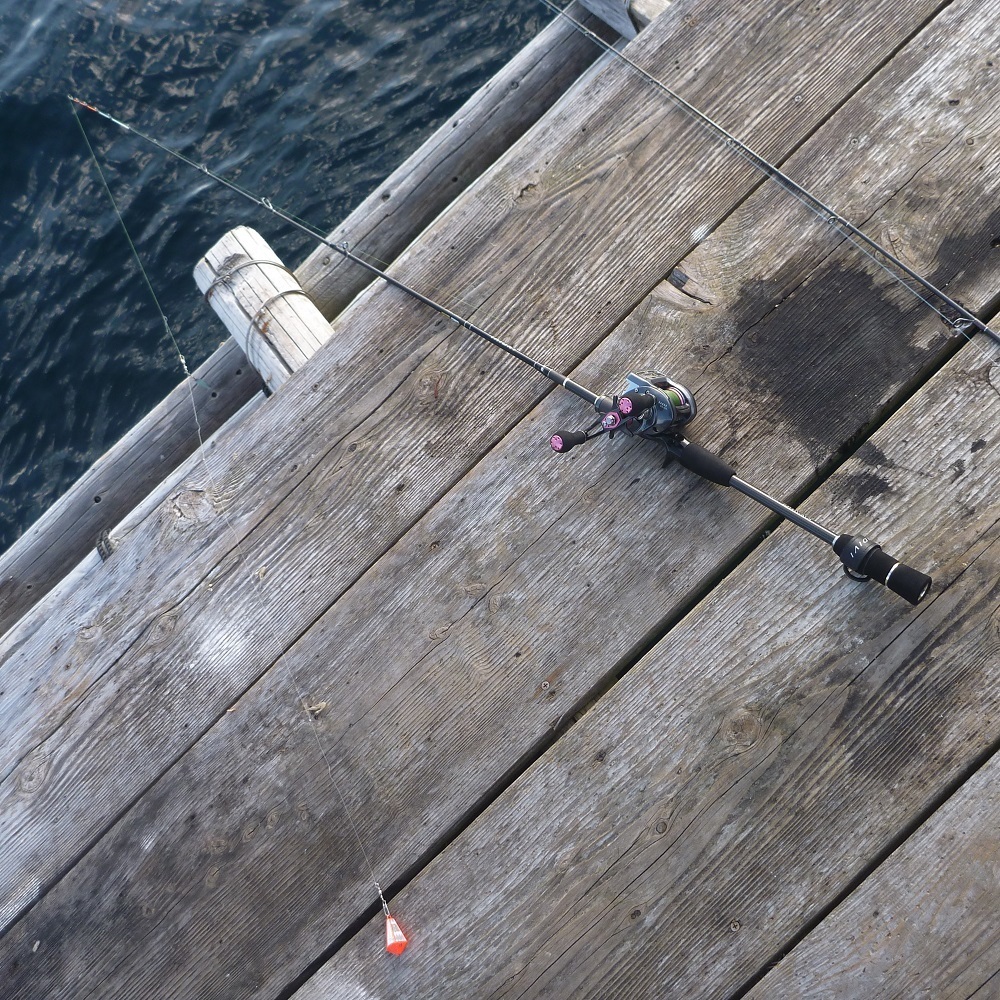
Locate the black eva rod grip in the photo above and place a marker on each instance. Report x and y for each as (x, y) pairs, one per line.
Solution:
(901, 579)
(702, 462)
(864, 558)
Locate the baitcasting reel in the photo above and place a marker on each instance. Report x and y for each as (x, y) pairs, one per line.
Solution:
(650, 405)
(655, 407)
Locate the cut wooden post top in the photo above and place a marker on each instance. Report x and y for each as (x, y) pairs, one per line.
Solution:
(262, 304)
(614, 13)
(626, 16)
(645, 11)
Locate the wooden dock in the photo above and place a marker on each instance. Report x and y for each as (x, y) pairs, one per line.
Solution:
(603, 729)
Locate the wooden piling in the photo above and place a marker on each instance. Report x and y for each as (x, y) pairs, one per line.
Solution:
(261, 304)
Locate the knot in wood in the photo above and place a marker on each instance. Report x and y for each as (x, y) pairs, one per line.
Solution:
(162, 629)
(31, 775)
(218, 844)
(431, 386)
(107, 621)
(743, 729)
(190, 507)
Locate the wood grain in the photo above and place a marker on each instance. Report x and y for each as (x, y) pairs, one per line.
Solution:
(464, 716)
(444, 166)
(924, 923)
(644, 11)
(425, 183)
(757, 762)
(614, 13)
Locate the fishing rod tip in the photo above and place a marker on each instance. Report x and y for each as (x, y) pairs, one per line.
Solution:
(83, 104)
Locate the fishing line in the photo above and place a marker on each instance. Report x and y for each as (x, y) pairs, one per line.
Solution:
(145, 277)
(960, 319)
(395, 940)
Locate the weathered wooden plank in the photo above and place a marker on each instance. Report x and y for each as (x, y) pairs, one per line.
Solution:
(482, 642)
(336, 482)
(118, 480)
(488, 124)
(720, 797)
(923, 924)
(261, 304)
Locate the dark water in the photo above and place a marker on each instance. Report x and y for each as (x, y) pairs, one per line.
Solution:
(311, 103)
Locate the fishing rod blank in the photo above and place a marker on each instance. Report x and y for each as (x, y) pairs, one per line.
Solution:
(650, 406)
(953, 313)
(344, 250)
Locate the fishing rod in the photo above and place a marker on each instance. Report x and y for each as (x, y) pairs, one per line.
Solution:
(649, 405)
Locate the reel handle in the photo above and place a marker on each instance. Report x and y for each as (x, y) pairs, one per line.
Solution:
(564, 441)
(635, 402)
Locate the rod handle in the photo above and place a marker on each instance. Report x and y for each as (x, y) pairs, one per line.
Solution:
(700, 461)
(864, 558)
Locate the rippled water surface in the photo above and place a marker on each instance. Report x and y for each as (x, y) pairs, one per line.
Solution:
(310, 103)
